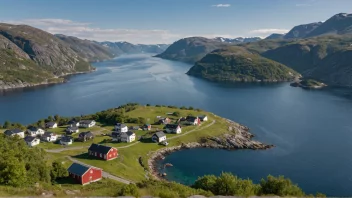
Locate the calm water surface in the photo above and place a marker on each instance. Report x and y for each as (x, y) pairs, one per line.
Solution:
(312, 130)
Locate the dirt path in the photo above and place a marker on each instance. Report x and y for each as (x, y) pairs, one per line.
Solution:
(105, 174)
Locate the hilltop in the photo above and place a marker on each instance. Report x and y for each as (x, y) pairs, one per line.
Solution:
(191, 49)
(31, 56)
(234, 64)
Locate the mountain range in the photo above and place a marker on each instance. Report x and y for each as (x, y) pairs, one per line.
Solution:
(238, 39)
(320, 51)
(30, 56)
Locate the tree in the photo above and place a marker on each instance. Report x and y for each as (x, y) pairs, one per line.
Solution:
(148, 105)
(206, 182)
(50, 118)
(141, 120)
(176, 113)
(57, 118)
(7, 124)
(129, 189)
(58, 171)
(12, 172)
(279, 186)
(225, 184)
(41, 123)
(190, 108)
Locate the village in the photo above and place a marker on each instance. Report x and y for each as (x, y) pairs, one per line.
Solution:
(101, 140)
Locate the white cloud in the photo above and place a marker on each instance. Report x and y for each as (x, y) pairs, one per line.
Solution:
(268, 31)
(86, 31)
(221, 5)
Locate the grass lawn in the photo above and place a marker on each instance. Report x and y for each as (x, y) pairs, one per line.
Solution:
(127, 164)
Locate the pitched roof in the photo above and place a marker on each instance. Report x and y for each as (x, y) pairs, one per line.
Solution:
(99, 148)
(160, 134)
(202, 116)
(191, 118)
(72, 122)
(129, 133)
(66, 138)
(50, 123)
(78, 169)
(48, 134)
(86, 121)
(29, 138)
(33, 128)
(72, 128)
(88, 133)
(12, 131)
(115, 134)
(172, 126)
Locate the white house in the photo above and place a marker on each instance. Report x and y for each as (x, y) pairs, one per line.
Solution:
(49, 137)
(159, 137)
(51, 125)
(121, 127)
(128, 137)
(35, 131)
(66, 140)
(191, 120)
(173, 128)
(203, 118)
(15, 132)
(87, 123)
(71, 129)
(73, 123)
(32, 141)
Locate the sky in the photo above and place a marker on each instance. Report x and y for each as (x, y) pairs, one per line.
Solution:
(166, 21)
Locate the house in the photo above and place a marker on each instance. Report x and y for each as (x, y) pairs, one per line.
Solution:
(164, 121)
(84, 136)
(49, 137)
(87, 123)
(135, 128)
(159, 137)
(84, 174)
(73, 123)
(72, 129)
(173, 128)
(121, 127)
(35, 131)
(31, 141)
(123, 137)
(102, 152)
(51, 125)
(191, 120)
(66, 140)
(203, 118)
(13, 132)
(147, 127)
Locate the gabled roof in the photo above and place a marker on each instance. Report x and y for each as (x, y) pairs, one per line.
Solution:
(29, 138)
(160, 134)
(202, 116)
(99, 148)
(12, 131)
(66, 138)
(72, 128)
(86, 121)
(78, 169)
(72, 122)
(83, 134)
(48, 134)
(33, 128)
(129, 133)
(50, 123)
(115, 134)
(172, 126)
(191, 118)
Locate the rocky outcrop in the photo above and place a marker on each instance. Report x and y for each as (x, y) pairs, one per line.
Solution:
(237, 137)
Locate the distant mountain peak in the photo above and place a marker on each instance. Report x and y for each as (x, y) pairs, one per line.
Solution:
(237, 40)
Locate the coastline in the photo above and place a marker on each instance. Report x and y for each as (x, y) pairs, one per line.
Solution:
(238, 137)
(20, 85)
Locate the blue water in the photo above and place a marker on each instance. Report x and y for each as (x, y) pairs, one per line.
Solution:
(312, 130)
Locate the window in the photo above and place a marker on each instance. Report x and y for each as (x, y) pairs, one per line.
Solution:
(101, 155)
(91, 171)
(90, 178)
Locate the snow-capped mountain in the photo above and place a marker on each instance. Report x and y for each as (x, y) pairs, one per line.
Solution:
(238, 39)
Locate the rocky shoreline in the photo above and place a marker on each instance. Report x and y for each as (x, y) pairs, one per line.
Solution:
(5, 86)
(238, 137)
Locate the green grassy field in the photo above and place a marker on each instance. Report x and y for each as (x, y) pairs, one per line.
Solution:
(127, 164)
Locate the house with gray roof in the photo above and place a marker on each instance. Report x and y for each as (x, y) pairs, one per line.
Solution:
(159, 137)
(14, 132)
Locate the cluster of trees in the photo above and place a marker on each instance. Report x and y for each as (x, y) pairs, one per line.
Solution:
(23, 166)
(230, 185)
(9, 125)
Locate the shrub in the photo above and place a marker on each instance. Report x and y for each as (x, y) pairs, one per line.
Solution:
(176, 113)
(279, 186)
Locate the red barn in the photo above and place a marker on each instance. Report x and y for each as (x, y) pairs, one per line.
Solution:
(102, 152)
(84, 174)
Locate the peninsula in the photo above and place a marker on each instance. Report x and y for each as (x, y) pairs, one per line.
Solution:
(140, 134)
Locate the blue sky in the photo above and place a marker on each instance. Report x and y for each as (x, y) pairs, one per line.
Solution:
(165, 21)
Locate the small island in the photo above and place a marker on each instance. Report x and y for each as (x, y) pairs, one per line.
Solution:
(308, 84)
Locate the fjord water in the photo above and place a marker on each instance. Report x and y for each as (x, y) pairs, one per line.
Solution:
(312, 130)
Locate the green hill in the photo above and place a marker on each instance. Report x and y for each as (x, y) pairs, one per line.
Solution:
(191, 49)
(30, 56)
(234, 64)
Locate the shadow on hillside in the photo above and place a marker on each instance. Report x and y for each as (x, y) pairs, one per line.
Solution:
(66, 180)
(84, 156)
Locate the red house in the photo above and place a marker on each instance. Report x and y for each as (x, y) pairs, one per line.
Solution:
(84, 174)
(102, 152)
